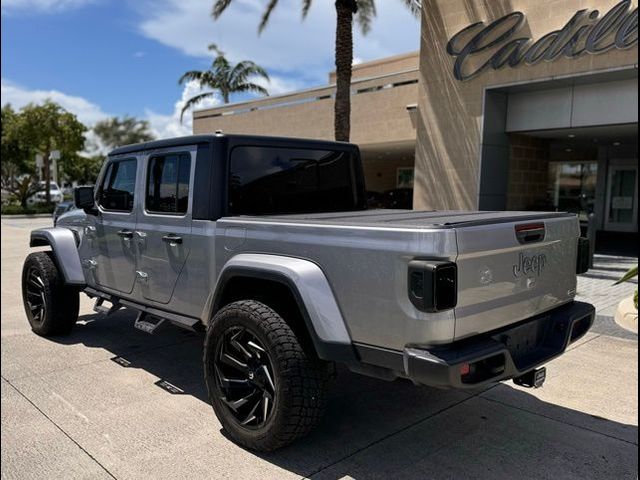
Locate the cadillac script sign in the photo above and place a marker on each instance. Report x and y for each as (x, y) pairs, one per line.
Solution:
(502, 41)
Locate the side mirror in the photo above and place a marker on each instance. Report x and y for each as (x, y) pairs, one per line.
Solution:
(83, 198)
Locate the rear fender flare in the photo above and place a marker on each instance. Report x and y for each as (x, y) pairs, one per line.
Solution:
(312, 292)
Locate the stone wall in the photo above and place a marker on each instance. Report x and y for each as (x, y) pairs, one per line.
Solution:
(451, 112)
(528, 173)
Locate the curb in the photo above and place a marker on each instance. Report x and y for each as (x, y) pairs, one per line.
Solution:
(626, 315)
(21, 216)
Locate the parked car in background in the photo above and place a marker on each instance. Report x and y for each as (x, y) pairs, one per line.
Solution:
(41, 197)
(61, 209)
(67, 189)
(399, 198)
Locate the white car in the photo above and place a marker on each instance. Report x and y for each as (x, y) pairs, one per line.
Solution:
(41, 196)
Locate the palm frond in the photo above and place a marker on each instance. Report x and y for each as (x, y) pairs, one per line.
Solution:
(191, 75)
(244, 70)
(633, 272)
(252, 87)
(365, 15)
(219, 7)
(193, 101)
(306, 5)
(414, 6)
(213, 47)
(266, 15)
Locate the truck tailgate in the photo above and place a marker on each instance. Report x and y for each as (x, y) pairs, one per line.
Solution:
(513, 269)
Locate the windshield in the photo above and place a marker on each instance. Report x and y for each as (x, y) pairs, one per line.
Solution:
(53, 185)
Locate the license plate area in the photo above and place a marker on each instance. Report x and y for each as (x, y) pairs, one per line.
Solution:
(526, 342)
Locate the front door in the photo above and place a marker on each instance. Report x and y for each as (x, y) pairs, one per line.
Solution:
(111, 231)
(622, 199)
(163, 231)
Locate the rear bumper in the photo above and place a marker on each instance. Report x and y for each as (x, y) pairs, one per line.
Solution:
(501, 354)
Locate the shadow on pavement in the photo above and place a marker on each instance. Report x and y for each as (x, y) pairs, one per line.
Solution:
(377, 429)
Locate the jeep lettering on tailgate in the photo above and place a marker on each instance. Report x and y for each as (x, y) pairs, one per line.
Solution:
(529, 264)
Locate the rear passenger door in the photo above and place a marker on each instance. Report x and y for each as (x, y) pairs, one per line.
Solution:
(163, 230)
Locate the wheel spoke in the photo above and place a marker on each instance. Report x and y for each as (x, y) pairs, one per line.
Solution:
(233, 362)
(230, 383)
(236, 404)
(251, 416)
(238, 346)
(267, 375)
(265, 407)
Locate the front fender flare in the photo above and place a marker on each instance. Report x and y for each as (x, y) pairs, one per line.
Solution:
(311, 290)
(63, 243)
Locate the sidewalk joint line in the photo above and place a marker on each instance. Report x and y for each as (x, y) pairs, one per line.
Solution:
(559, 421)
(389, 435)
(59, 428)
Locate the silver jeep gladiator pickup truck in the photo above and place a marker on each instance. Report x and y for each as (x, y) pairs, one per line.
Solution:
(266, 243)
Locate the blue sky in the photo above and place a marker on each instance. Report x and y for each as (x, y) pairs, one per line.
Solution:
(108, 57)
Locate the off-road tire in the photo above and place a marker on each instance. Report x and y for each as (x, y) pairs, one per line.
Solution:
(61, 302)
(300, 378)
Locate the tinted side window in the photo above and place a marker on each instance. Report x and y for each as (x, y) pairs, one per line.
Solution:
(118, 187)
(269, 180)
(168, 183)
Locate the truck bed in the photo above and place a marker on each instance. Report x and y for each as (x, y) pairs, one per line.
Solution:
(365, 254)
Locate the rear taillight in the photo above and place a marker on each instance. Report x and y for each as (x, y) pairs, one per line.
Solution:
(433, 285)
(530, 232)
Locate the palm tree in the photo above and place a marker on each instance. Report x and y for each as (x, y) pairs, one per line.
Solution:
(225, 78)
(364, 11)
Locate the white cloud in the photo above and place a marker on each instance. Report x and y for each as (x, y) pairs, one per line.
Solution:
(278, 85)
(289, 45)
(163, 126)
(18, 96)
(42, 6)
(167, 126)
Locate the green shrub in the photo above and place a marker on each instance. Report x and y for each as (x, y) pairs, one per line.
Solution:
(32, 210)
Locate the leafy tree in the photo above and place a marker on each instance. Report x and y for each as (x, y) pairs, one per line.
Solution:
(364, 12)
(114, 132)
(83, 169)
(224, 77)
(49, 127)
(14, 151)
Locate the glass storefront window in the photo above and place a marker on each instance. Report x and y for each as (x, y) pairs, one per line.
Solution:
(572, 186)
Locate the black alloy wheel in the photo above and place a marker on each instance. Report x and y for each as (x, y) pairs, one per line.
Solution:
(244, 376)
(265, 387)
(35, 295)
(51, 305)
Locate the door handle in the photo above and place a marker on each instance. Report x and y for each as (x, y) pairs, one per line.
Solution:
(125, 233)
(171, 238)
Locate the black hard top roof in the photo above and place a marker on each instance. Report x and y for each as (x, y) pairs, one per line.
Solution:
(246, 139)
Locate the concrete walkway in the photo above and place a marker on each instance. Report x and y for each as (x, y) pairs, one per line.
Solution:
(95, 404)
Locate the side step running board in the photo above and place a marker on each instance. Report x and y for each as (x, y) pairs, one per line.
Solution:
(148, 323)
(100, 308)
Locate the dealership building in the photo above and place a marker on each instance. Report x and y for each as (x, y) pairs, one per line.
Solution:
(510, 104)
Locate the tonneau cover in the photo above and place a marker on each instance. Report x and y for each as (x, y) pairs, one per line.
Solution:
(405, 218)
